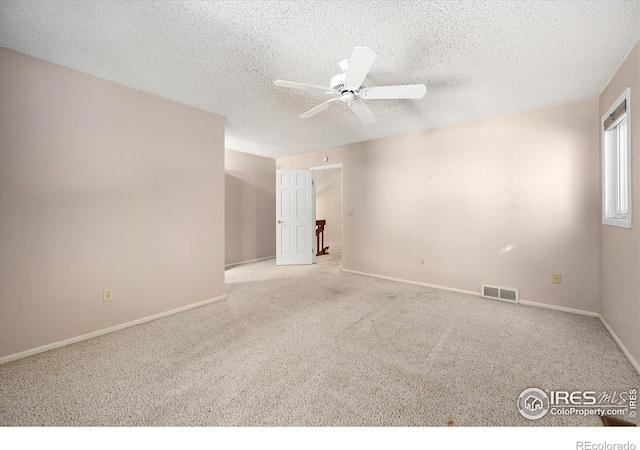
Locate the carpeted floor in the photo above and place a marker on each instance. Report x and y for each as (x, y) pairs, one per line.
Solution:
(313, 346)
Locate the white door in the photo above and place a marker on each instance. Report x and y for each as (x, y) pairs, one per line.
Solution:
(295, 217)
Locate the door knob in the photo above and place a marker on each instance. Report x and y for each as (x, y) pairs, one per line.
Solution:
(280, 221)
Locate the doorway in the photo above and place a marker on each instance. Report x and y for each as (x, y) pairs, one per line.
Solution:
(329, 186)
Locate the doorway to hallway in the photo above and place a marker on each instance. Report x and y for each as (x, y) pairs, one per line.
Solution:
(329, 210)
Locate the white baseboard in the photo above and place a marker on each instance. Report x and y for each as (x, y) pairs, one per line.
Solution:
(248, 261)
(631, 359)
(559, 308)
(477, 294)
(417, 283)
(615, 337)
(73, 340)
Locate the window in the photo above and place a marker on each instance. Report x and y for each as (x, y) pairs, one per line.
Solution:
(616, 163)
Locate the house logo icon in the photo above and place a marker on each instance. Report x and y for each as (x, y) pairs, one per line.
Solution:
(533, 403)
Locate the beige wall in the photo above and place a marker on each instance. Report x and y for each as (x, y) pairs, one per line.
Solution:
(101, 186)
(329, 206)
(506, 201)
(250, 207)
(620, 247)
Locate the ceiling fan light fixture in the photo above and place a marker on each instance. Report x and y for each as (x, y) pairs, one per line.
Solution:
(347, 97)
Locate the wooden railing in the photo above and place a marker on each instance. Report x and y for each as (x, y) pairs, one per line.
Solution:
(320, 236)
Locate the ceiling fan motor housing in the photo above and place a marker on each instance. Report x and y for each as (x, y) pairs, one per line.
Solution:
(337, 82)
(345, 95)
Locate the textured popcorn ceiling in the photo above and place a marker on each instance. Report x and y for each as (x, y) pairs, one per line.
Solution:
(478, 58)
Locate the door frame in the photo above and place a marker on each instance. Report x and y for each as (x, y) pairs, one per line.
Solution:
(330, 167)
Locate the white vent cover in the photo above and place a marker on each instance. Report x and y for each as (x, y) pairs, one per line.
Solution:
(500, 293)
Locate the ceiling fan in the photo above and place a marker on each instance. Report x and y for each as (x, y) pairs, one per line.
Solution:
(346, 87)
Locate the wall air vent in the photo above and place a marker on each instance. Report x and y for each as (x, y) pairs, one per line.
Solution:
(499, 293)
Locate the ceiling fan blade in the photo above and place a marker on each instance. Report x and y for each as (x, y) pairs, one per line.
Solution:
(360, 63)
(317, 109)
(303, 86)
(394, 92)
(363, 112)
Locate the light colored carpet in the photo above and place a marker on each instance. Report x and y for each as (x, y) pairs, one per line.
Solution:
(313, 346)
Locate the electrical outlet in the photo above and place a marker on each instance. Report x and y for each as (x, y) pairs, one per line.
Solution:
(107, 295)
(350, 212)
(556, 278)
(422, 262)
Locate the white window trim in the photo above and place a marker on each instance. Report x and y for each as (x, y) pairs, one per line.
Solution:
(607, 196)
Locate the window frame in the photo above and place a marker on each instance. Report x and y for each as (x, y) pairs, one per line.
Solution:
(610, 167)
